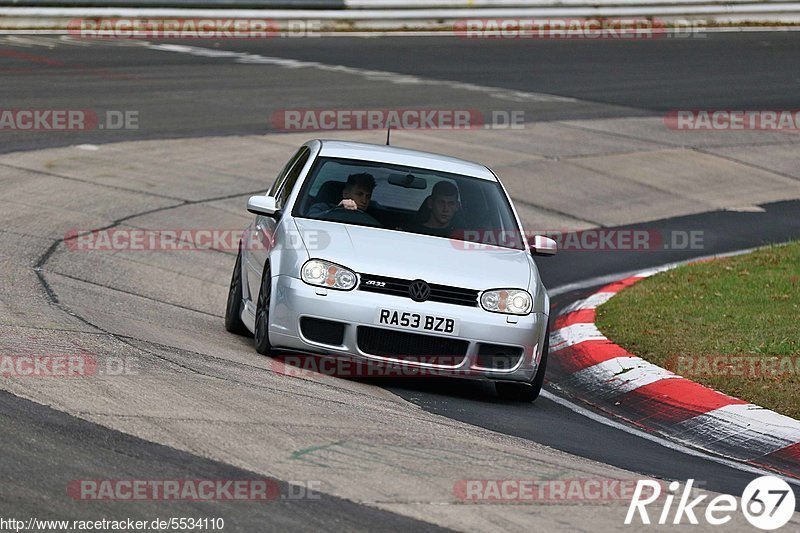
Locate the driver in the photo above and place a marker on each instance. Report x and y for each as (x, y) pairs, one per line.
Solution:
(356, 195)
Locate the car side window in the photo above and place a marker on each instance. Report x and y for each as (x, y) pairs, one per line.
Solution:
(281, 177)
(291, 177)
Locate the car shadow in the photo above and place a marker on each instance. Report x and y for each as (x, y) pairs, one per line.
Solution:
(409, 385)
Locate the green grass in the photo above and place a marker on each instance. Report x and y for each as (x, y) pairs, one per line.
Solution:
(747, 305)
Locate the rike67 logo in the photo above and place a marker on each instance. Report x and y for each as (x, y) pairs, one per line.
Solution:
(767, 503)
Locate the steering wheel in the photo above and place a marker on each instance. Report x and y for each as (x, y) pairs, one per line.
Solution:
(355, 216)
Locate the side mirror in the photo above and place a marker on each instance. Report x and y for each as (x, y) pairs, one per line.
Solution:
(262, 205)
(544, 246)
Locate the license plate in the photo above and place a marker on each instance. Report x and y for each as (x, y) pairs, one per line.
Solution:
(416, 321)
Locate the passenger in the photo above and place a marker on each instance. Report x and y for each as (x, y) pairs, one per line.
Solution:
(443, 204)
(356, 195)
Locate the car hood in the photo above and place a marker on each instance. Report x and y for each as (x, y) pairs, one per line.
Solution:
(410, 256)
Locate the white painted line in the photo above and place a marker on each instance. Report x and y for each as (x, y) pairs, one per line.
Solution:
(611, 278)
(591, 302)
(660, 440)
(369, 75)
(653, 271)
(746, 209)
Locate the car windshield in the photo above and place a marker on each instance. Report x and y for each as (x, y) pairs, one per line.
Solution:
(409, 199)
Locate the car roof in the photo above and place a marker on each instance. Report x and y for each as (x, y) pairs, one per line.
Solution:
(404, 156)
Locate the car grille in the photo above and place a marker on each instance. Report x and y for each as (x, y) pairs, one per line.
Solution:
(399, 287)
(411, 346)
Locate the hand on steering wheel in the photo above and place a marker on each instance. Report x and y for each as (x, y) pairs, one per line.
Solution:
(343, 213)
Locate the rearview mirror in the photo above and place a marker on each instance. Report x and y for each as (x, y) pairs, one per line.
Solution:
(262, 205)
(409, 181)
(544, 246)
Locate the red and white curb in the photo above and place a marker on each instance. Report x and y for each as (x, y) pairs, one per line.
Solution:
(591, 367)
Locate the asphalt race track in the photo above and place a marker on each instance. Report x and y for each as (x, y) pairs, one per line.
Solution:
(205, 405)
(180, 96)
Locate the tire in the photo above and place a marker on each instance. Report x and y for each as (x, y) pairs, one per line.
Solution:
(526, 392)
(261, 333)
(233, 309)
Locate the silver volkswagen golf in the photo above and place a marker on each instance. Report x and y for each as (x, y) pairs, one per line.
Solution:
(397, 257)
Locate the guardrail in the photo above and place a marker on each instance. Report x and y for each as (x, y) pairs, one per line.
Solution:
(400, 5)
(225, 4)
(337, 15)
(523, 4)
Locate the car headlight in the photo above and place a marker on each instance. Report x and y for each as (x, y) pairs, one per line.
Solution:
(508, 301)
(326, 274)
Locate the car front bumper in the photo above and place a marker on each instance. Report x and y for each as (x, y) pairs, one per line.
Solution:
(292, 300)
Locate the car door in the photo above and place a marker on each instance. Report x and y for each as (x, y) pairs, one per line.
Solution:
(262, 231)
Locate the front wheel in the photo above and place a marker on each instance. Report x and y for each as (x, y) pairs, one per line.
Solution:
(233, 309)
(526, 392)
(262, 313)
